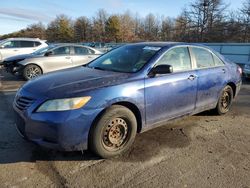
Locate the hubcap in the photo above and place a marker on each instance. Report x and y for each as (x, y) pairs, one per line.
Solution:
(115, 134)
(225, 100)
(33, 72)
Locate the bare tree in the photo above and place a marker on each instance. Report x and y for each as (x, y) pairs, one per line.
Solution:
(99, 22)
(128, 25)
(82, 29)
(167, 29)
(206, 17)
(60, 30)
(245, 13)
(151, 28)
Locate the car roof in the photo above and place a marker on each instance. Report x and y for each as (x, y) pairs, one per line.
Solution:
(24, 38)
(167, 44)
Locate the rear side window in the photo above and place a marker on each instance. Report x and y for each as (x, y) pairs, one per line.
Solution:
(26, 44)
(81, 51)
(178, 58)
(204, 58)
(61, 51)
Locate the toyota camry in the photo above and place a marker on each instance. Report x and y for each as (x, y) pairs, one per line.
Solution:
(101, 106)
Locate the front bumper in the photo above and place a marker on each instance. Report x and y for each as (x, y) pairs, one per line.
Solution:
(65, 130)
(246, 72)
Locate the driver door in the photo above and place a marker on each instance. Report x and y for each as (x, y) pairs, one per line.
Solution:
(10, 48)
(60, 58)
(171, 95)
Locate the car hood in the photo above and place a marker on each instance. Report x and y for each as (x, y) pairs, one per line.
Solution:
(72, 82)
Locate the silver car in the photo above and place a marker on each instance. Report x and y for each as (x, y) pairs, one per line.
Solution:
(56, 58)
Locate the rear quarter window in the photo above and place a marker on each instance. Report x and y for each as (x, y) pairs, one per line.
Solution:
(37, 44)
(217, 61)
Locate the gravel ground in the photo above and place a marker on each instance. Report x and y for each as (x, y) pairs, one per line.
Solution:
(197, 151)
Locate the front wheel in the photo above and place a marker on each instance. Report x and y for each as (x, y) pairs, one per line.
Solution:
(225, 101)
(114, 133)
(31, 71)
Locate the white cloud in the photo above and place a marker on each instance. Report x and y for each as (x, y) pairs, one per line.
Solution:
(24, 14)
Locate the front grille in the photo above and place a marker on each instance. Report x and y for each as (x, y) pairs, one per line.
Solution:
(22, 103)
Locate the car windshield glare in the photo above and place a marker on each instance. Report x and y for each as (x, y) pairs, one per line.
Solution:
(127, 59)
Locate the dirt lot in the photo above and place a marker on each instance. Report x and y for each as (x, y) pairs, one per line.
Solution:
(198, 151)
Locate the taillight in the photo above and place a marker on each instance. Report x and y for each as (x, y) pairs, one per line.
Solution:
(239, 69)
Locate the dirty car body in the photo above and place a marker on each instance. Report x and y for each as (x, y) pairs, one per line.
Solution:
(154, 100)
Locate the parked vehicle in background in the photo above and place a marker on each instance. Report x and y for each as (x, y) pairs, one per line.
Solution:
(11, 65)
(246, 70)
(56, 58)
(18, 46)
(101, 106)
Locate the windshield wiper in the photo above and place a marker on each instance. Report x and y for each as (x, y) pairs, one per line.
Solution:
(98, 68)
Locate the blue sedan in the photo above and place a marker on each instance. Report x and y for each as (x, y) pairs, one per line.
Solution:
(103, 105)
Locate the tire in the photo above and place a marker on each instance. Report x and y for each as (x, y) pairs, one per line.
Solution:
(31, 71)
(225, 101)
(114, 132)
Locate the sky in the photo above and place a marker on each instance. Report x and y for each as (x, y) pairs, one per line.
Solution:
(18, 14)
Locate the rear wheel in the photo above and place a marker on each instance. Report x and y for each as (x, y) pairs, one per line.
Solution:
(114, 133)
(31, 71)
(225, 101)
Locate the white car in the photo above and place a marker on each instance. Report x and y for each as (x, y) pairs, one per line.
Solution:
(18, 46)
(246, 70)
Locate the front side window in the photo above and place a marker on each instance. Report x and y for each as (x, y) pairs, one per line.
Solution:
(11, 44)
(204, 58)
(129, 58)
(65, 50)
(81, 51)
(178, 58)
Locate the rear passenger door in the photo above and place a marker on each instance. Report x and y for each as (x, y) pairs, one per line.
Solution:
(212, 75)
(82, 55)
(27, 47)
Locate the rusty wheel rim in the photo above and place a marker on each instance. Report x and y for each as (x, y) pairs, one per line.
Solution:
(115, 134)
(225, 100)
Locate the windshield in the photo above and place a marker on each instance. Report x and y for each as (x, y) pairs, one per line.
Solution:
(130, 58)
(42, 51)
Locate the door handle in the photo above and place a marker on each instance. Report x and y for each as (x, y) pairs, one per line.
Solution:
(15, 50)
(224, 70)
(67, 57)
(89, 57)
(192, 77)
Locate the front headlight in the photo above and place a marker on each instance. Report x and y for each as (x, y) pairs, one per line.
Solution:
(63, 104)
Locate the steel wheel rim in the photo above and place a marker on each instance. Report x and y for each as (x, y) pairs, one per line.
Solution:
(115, 134)
(33, 72)
(225, 100)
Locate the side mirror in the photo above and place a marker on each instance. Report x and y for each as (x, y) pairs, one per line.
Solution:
(1, 47)
(161, 69)
(48, 53)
